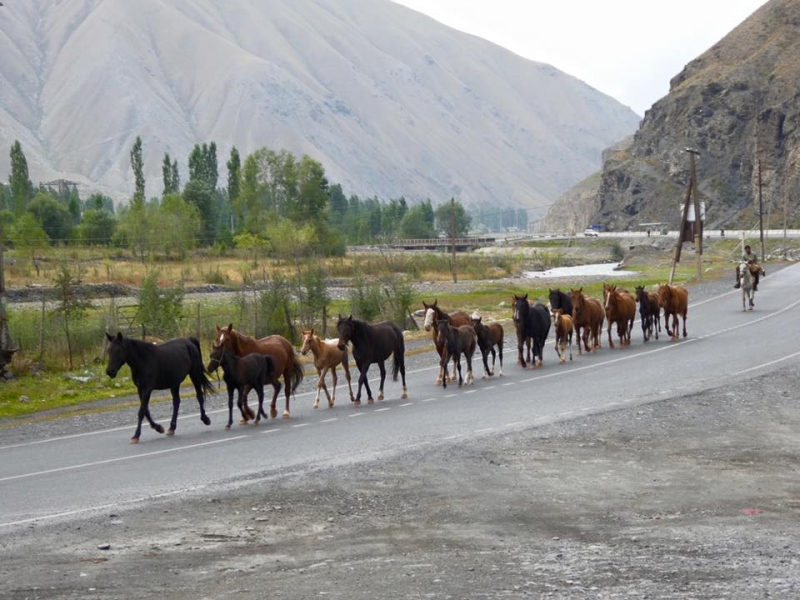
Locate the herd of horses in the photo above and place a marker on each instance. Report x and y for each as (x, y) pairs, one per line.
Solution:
(249, 363)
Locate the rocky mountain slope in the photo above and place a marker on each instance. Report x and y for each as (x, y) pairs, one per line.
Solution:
(738, 104)
(389, 101)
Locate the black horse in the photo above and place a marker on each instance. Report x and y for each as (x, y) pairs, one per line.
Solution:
(160, 367)
(456, 341)
(532, 321)
(241, 373)
(560, 301)
(649, 312)
(373, 344)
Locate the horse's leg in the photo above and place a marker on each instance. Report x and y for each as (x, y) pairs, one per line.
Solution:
(230, 408)
(685, 334)
(521, 352)
(144, 412)
(440, 376)
(382, 368)
(346, 368)
(362, 382)
(370, 399)
(320, 385)
(569, 343)
(201, 400)
(494, 360)
(500, 353)
(176, 405)
(260, 393)
(457, 361)
(273, 410)
(248, 412)
(332, 399)
(485, 357)
(470, 375)
(403, 375)
(287, 391)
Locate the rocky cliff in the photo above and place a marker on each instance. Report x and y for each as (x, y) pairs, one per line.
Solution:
(738, 104)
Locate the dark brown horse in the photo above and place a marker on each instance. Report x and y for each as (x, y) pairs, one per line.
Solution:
(373, 344)
(160, 367)
(279, 349)
(620, 309)
(587, 315)
(434, 314)
(649, 312)
(489, 336)
(674, 299)
(457, 341)
(533, 323)
(241, 374)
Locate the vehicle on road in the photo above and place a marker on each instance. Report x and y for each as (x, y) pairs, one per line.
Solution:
(590, 232)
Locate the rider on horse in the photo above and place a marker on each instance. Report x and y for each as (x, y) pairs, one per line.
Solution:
(750, 258)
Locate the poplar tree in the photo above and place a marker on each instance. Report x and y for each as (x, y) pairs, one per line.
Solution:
(138, 170)
(19, 181)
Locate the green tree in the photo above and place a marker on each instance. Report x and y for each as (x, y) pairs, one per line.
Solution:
(169, 172)
(53, 216)
(248, 208)
(311, 199)
(452, 219)
(234, 175)
(71, 307)
(200, 195)
(29, 238)
(203, 164)
(418, 222)
(135, 229)
(19, 181)
(97, 227)
(137, 164)
(179, 225)
(160, 308)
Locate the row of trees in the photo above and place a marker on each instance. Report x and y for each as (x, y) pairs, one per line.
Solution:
(272, 200)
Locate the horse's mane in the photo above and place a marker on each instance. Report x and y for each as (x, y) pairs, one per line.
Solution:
(139, 348)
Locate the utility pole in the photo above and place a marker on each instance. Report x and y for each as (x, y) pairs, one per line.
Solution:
(698, 223)
(760, 211)
(453, 236)
(676, 257)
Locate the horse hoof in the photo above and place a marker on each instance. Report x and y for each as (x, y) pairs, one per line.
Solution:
(227, 427)
(405, 395)
(286, 415)
(330, 404)
(380, 397)
(134, 440)
(158, 428)
(316, 405)
(356, 402)
(243, 421)
(370, 401)
(273, 413)
(205, 420)
(170, 432)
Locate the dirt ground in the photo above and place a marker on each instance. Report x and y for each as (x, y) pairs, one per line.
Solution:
(696, 498)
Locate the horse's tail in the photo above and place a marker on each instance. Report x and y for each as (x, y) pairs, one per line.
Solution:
(399, 352)
(298, 372)
(200, 369)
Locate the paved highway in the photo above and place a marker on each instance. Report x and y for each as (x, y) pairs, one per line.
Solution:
(97, 470)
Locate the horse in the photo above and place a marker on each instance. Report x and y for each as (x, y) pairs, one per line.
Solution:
(457, 341)
(373, 344)
(620, 308)
(649, 312)
(242, 373)
(560, 300)
(434, 314)
(747, 281)
(489, 336)
(564, 329)
(674, 299)
(533, 321)
(160, 367)
(587, 314)
(287, 364)
(327, 357)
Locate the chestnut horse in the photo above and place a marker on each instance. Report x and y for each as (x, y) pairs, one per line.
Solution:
(287, 364)
(434, 314)
(327, 356)
(457, 341)
(674, 299)
(489, 336)
(587, 314)
(564, 330)
(649, 312)
(620, 309)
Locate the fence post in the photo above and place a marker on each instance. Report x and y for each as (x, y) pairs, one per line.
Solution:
(197, 322)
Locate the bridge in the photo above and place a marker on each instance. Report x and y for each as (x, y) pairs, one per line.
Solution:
(462, 243)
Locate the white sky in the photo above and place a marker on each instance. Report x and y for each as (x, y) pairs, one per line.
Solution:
(628, 49)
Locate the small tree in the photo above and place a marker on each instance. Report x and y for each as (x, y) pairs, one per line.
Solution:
(160, 309)
(29, 238)
(71, 307)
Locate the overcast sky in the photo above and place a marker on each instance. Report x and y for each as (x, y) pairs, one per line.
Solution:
(628, 49)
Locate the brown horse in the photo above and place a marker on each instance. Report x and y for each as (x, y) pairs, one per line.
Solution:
(327, 356)
(434, 314)
(489, 336)
(564, 330)
(620, 309)
(587, 314)
(674, 299)
(457, 341)
(287, 364)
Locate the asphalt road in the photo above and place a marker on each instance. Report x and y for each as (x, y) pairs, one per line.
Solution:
(94, 469)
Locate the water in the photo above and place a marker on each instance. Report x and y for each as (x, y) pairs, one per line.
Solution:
(595, 270)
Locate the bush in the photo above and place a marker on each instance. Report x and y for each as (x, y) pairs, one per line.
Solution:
(160, 309)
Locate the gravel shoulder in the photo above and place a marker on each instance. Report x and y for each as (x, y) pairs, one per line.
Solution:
(695, 497)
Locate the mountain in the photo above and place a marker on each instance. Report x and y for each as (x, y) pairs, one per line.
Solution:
(390, 101)
(739, 105)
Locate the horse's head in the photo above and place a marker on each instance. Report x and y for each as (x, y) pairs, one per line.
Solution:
(117, 356)
(576, 296)
(430, 317)
(443, 332)
(610, 294)
(520, 308)
(215, 358)
(345, 327)
(555, 298)
(308, 338)
(226, 337)
(475, 320)
(640, 292)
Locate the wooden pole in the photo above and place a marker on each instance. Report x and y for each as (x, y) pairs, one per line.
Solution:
(453, 236)
(676, 257)
(760, 211)
(698, 224)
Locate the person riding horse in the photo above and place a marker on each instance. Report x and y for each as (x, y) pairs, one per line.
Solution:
(750, 258)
